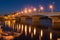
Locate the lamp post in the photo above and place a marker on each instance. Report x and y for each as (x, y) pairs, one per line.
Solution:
(41, 8)
(51, 8)
(29, 10)
(34, 9)
(25, 10)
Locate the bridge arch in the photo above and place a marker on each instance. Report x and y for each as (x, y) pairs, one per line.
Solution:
(45, 21)
(29, 20)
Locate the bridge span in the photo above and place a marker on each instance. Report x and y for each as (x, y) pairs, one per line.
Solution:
(33, 18)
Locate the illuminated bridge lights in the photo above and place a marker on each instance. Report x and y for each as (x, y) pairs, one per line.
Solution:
(41, 32)
(27, 30)
(30, 10)
(22, 27)
(34, 9)
(25, 11)
(34, 31)
(50, 35)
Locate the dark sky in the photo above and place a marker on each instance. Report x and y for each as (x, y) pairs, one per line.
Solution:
(8, 6)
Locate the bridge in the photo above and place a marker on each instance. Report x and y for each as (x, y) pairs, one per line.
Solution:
(32, 18)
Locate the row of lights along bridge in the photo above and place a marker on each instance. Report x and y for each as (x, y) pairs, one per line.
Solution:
(30, 10)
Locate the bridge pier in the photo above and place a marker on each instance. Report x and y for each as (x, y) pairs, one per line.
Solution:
(35, 20)
(23, 19)
(56, 22)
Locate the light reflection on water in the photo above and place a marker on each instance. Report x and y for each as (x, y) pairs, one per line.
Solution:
(22, 27)
(30, 30)
(41, 32)
(34, 31)
(26, 30)
(50, 35)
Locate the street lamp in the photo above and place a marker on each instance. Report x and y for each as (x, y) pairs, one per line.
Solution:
(22, 12)
(34, 9)
(29, 10)
(25, 11)
(51, 7)
(41, 8)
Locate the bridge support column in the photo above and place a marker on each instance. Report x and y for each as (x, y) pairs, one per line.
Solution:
(13, 23)
(56, 22)
(52, 20)
(35, 20)
(23, 19)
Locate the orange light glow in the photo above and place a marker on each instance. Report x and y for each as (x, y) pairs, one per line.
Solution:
(22, 27)
(17, 13)
(41, 32)
(29, 29)
(41, 8)
(51, 6)
(5, 17)
(29, 10)
(25, 11)
(22, 12)
(7, 23)
(8, 15)
(13, 15)
(34, 31)
(50, 35)
(8, 37)
(34, 9)
(25, 29)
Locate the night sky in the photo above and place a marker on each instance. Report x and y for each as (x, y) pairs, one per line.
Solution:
(8, 6)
